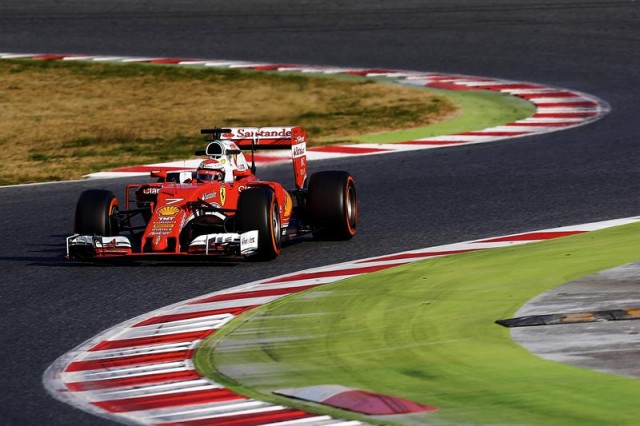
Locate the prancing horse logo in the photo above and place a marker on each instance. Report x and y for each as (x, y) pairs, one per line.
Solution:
(223, 194)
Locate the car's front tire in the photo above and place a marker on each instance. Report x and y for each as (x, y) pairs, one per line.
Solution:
(258, 210)
(97, 213)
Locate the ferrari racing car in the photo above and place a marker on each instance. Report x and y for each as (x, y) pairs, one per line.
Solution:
(220, 209)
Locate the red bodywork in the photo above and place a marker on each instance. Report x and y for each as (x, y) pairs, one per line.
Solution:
(167, 207)
(172, 211)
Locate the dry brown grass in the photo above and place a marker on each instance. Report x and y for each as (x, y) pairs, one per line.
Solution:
(64, 120)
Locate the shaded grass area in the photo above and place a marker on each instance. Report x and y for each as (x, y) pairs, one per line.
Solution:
(426, 332)
(62, 120)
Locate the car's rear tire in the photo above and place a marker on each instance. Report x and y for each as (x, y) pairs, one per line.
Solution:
(97, 213)
(258, 210)
(332, 205)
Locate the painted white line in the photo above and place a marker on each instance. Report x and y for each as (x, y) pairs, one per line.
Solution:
(551, 109)
(542, 100)
(194, 322)
(133, 350)
(549, 120)
(265, 408)
(167, 329)
(154, 390)
(203, 411)
(15, 55)
(521, 128)
(125, 372)
(109, 58)
(227, 304)
(532, 91)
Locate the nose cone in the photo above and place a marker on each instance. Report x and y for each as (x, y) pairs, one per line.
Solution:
(159, 243)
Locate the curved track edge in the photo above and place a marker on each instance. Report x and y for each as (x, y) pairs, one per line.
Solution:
(141, 371)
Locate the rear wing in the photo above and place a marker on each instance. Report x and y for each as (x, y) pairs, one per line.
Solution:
(259, 138)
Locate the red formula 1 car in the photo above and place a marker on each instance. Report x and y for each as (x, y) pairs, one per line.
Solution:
(220, 209)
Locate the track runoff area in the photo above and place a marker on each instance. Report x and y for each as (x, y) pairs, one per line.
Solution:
(143, 371)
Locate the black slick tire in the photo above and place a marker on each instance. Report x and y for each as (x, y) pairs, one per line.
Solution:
(332, 205)
(96, 213)
(258, 210)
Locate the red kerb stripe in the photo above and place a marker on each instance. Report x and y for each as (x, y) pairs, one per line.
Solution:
(549, 95)
(493, 134)
(144, 380)
(532, 236)
(371, 71)
(162, 319)
(50, 57)
(557, 124)
(152, 340)
(511, 86)
(167, 400)
(273, 67)
(580, 114)
(129, 361)
(168, 60)
(326, 274)
(457, 77)
(250, 294)
(416, 255)
(253, 419)
(568, 104)
(452, 86)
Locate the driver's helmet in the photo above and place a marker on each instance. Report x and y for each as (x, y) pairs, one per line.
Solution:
(210, 170)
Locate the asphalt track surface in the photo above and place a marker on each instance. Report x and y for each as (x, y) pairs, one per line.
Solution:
(407, 201)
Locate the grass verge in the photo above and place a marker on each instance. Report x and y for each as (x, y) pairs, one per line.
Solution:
(62, 120)
(426, 332)
(479, 109)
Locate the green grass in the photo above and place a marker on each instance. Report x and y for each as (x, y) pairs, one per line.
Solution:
(480, 110)
(426, 332)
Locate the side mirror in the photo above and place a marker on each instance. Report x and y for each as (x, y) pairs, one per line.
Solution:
(160, 174)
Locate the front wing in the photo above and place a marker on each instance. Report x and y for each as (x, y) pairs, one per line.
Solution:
(91, 247)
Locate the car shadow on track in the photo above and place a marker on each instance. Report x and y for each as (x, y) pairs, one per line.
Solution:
(53, 255)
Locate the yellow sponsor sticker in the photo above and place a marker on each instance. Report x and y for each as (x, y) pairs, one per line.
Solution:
(168, 211)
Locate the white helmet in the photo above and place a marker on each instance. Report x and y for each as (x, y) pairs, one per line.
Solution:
(210, 170)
